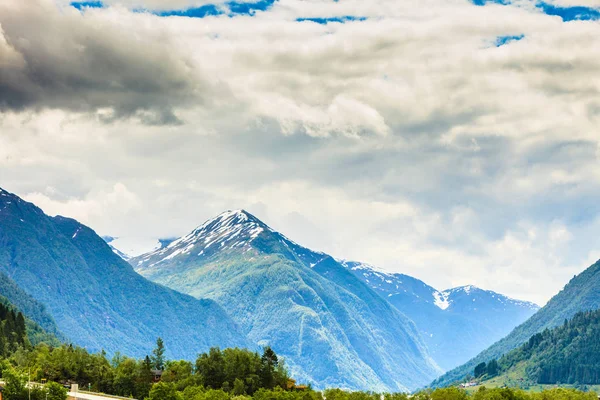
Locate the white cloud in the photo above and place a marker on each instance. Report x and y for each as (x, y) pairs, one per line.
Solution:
(115, 202)
(408, 140)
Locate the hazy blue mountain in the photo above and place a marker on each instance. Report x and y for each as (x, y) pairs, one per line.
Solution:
(331, 328)
(457, 323)
(96, 299)
(582, 293)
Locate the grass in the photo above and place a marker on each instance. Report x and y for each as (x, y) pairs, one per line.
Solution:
(514, 379)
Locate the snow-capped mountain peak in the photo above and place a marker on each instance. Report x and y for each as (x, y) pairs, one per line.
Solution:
(394, 284)
(232, 230)
(355, 265)
(227, 224)
(473, 294)
(228, 230)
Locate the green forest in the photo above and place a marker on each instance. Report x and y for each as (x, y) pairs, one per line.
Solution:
(568, 354)
(229, 374)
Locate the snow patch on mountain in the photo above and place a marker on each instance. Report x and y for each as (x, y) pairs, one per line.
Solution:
(473, 293)
(441, 300)
(394, 283)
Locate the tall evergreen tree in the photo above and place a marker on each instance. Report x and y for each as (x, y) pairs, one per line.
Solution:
(492, 368)
(158, 355)
(269, 363)
(143, 382)
(480, 370)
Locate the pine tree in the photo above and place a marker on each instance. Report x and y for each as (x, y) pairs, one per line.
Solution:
(480, 370)
(158, 355)
(143, 382)
(268, 362)
(492, 368)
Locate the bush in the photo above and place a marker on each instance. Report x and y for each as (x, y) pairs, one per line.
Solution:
(164, 391)
(56, 391)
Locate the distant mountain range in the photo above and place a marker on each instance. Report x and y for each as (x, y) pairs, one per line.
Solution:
(95, 298)
(235, 250)
(457, 323)
(582, 293)
(239, 283)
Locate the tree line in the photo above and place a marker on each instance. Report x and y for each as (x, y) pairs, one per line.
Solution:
(229, 374)
(233, 371)
(13, 332)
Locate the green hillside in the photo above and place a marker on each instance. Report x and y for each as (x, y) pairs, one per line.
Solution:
(34, 311)
(95, 297)
(582, 293)
(568, 354)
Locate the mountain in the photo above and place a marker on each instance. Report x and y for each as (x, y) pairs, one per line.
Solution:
(331, 328)
(567, 354)
(582, 293)
(96, 298)
(457, 323)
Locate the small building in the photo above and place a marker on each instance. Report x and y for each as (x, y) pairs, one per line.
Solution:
(157, 375)
(291, 385)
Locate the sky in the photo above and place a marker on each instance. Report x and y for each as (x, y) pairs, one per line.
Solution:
(456, 141)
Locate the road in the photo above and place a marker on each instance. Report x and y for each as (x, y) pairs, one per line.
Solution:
(92, 396)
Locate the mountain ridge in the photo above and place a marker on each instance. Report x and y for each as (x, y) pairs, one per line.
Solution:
(95, 297)
(280, 293)
(455, 323)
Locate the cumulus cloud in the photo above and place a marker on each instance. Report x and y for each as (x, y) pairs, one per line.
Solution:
(408, 138)
(113, 62)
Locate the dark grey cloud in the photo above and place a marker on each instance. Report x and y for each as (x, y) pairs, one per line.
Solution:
(60, 58)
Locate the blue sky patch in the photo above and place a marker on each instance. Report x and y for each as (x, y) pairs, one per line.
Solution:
(484, 2)
(240, 8)
(326, 20)
(231, 8)
(502, 40)
(576, 13)
(86, 4)
(196, 12)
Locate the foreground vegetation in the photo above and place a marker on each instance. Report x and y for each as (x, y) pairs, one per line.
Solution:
(217, 374)
(230, 374)
(568, 354)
